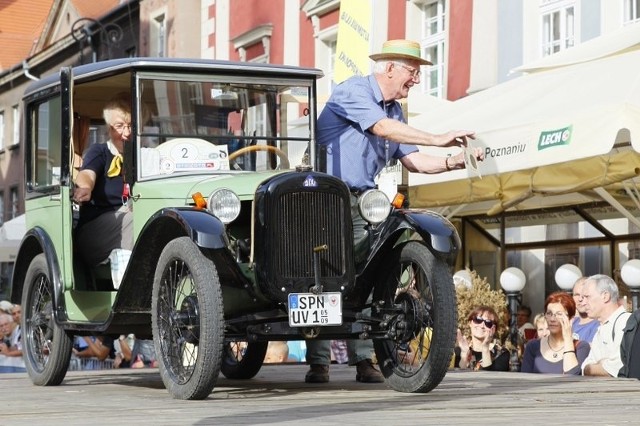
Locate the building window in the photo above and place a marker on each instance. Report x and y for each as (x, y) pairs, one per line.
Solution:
(433, 46)
(558, 25)
(16, 125)
(631, 11)
(255, 44)
(1, 129)
(14, 202)
(331, 58)
(159, 36)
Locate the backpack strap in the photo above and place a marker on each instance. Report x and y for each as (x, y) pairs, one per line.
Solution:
(613, 330)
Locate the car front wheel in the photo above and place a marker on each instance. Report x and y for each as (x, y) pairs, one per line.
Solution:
(187, 320)
(418, 297)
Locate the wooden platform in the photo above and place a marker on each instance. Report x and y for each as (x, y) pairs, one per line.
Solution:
(278, 396)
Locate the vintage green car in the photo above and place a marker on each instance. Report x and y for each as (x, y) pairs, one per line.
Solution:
(240, 238)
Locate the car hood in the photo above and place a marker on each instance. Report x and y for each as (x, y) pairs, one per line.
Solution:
(244, 184)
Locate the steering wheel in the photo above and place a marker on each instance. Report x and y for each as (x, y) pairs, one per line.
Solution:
(284, 160)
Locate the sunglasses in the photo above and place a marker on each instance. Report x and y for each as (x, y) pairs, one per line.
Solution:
(487, 323)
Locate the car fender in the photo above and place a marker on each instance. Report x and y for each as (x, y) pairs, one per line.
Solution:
(206, 231)
(437, 233)
(37, 241)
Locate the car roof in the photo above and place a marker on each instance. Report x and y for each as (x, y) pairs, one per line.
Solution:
(114, 66)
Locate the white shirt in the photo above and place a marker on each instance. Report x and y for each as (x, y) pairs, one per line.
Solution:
(606, 343)
(16, 342)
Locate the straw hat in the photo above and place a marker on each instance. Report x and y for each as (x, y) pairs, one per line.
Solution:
(400, 49)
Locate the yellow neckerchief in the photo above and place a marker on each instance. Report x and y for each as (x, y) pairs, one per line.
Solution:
(116, 163)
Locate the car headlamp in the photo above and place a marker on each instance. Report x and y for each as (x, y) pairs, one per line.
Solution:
(374, 206)
(224, 204)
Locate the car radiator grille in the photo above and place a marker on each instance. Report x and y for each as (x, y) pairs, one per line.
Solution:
(302, 221)
(294, 213)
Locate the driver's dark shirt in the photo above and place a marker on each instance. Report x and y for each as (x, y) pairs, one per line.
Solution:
(107, 193)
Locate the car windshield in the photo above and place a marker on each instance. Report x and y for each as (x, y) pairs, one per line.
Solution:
(222, 124)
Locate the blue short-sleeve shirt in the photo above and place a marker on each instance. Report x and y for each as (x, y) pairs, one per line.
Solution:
(354, 153)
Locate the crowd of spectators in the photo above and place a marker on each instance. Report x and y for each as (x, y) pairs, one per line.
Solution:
(578, 333)
(10, 338)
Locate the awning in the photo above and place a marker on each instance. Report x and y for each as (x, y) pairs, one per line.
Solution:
(551, 137)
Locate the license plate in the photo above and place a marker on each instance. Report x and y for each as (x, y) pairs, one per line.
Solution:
(308, 309)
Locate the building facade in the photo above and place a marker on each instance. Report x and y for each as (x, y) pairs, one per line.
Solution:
(50, 34)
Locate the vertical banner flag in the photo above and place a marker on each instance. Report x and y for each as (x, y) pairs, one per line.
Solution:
(352, 49)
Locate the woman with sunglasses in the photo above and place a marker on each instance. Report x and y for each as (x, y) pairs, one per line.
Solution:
(483, 351)
(558, 352)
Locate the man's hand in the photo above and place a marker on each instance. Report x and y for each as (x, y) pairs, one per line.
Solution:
(454, 138)
(457, 161)
(596, 370)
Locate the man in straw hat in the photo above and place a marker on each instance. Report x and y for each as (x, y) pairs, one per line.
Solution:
(363, 129)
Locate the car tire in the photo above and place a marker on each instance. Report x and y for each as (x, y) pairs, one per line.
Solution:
(243, 364)
(46, 346)
(418, 358)
(187, 320)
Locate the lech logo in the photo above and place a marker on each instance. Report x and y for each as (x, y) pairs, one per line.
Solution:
(556, 137)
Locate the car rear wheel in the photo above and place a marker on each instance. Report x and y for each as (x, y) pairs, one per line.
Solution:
(187, 320)
(242, 360)
(419, 297)
(46, 346)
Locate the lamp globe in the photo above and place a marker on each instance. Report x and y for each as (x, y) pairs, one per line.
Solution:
(512, 280)
(462, 278)
(567, 275)
(630, 273)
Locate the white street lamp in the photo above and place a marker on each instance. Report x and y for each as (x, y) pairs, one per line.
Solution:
(512, 281)
(567, 275)
(462, 278)
(630, 273)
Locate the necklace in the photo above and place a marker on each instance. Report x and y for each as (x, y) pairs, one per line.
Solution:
(555, 352)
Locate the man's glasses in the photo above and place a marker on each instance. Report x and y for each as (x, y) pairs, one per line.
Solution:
(119, 127)
(487, 323)
(415, 73)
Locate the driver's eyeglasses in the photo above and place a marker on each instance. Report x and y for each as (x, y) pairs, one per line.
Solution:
(415, 73)
(119, 127)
